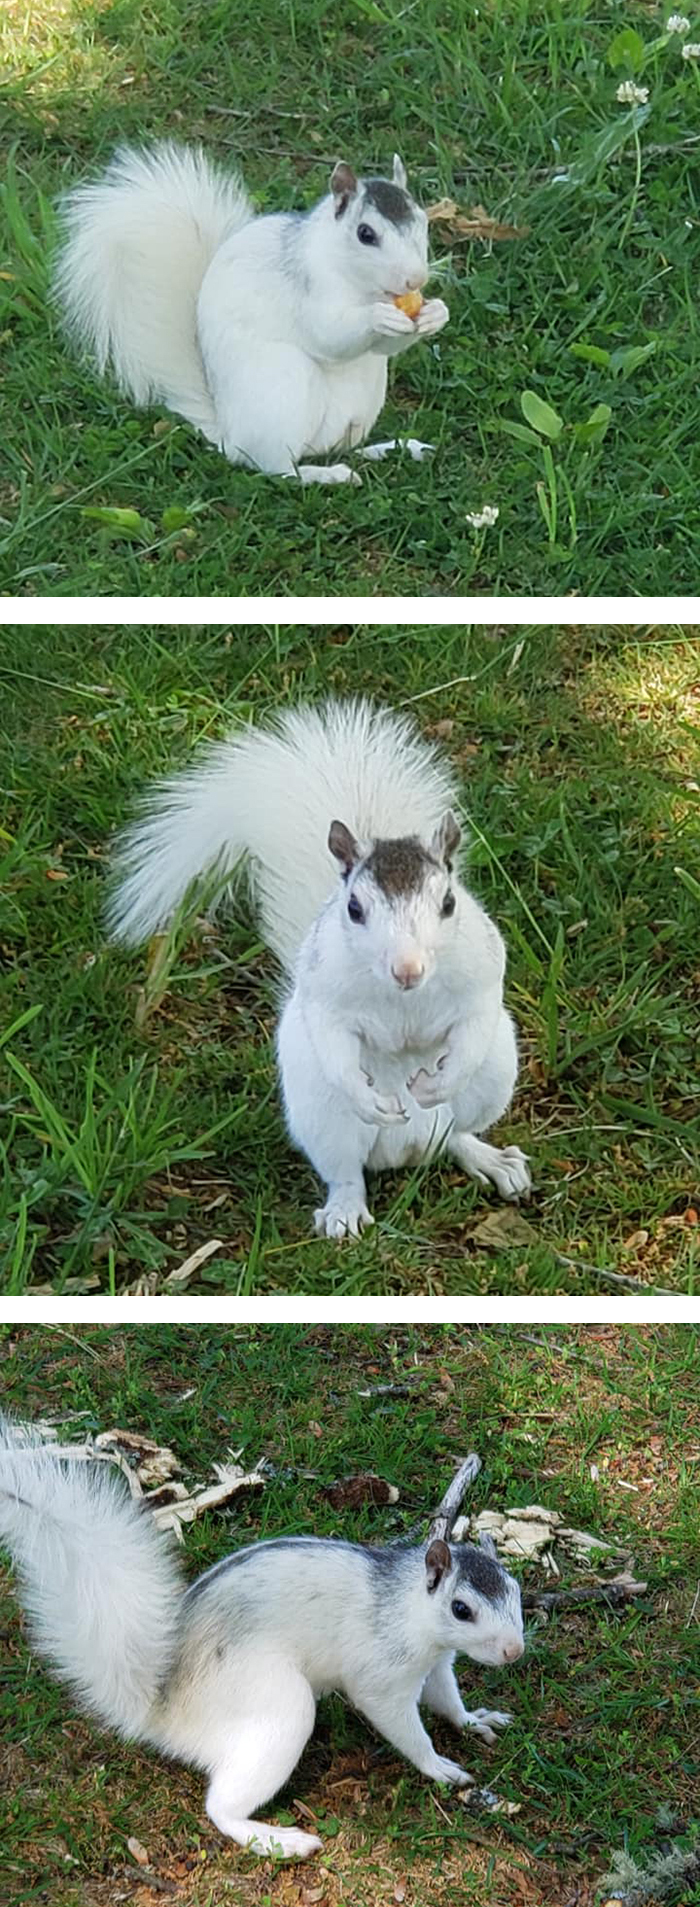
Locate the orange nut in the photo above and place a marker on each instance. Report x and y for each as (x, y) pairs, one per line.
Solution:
(410, 302)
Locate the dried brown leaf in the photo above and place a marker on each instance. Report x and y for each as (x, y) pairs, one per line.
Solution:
(476, 223)
(352, 1492)
(504, 1230)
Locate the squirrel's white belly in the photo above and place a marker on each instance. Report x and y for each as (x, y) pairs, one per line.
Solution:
(349, 397)
(275, 403)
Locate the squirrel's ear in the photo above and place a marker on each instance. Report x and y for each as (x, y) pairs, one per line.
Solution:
(343, 184)
(343, 846)
(486, 1542)
(399, 175)
(437, 1560)
(446, 838)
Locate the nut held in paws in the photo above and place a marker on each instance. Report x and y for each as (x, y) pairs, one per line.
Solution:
(411, 302)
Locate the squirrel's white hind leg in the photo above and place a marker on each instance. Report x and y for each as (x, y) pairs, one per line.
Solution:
(505, 1167)
(484, 1099)
(262, 1753)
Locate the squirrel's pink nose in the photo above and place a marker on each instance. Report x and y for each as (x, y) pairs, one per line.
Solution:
(407, 973)
(512, 1651)
(417, 279)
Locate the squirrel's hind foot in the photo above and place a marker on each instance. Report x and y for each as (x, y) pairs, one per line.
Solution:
(505, 1167)
(327, 473)
(289, 1844)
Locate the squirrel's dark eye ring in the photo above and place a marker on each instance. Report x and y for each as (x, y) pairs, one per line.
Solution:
(355, 910)
(448, 905)
(366, 235)
(462, 1611)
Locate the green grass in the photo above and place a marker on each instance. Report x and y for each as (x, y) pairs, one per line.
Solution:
(512, 105)
(131, 1137)
(605, 1734)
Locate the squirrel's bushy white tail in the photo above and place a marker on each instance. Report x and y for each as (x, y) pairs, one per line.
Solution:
(101, 1585)
(270, 795)
(138, 242)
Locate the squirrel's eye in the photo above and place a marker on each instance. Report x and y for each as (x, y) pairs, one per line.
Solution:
(355, 911)
(449, 904)
(366, 235)
(462, 1611)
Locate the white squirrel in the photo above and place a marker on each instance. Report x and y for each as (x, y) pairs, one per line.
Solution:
(225, 1675)
(271, 334)
(393, 1043)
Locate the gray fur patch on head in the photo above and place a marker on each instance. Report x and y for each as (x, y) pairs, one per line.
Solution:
(390, 201)
(399, 867)
(481, 1572)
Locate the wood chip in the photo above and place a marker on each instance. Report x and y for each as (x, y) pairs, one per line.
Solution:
(231, 1482)
(137, 1852)
(182, 1273)
(155, 1463)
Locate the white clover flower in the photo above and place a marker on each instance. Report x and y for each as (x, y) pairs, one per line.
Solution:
(629, 94)
(691, 51)
(677, 23)
(483, 519)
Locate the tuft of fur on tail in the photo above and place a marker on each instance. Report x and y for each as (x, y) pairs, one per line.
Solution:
(100, 1584)
(137, 245)
(269, 796)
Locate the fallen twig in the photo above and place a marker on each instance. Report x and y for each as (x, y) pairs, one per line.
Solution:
(610, 1277)
(447, 1510)
(613, 1593)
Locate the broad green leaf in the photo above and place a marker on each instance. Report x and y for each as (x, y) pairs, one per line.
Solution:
(541, 415)
(628, 358)
(174, 518)
(595, 426)
(627, 49)
(126, 522)
(513, 429)
(590, 354)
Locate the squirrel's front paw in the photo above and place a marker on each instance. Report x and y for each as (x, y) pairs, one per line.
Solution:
(389, 322)
(430, 1089)
(484, 1722)
(379, 1109)
(346, 1215)
(431, 317)
(450, 1771)
(387, 1110)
